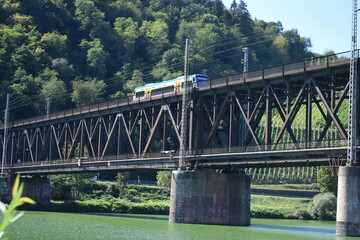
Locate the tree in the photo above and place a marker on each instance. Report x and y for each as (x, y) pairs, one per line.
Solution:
(65, 70)
(55, 89)
(242, 18)
(87, 92)
(156, 34)
(327, 183)
(96, 57)
(298, 46)
(54, 44)
(121, 179)
(91, 18)
(163, 178)
(136, 81)
(119, 79)
(69, 186)
(128, 30)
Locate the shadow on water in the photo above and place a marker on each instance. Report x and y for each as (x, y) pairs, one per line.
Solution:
(304, 229)
(127, 216)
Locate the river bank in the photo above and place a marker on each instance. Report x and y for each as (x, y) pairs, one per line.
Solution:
(261, 206)
(110, 197)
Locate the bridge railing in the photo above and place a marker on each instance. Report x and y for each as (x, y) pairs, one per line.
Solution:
(311, 64)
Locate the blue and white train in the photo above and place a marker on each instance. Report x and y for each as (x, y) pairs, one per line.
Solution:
(170, 86)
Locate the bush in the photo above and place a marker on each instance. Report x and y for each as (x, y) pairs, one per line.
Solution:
(323, 206)
(103, 207)
(163, 178)
(266, 213)
(303, 214)
(327, 183)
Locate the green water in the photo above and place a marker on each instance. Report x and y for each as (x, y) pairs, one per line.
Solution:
(51, 226)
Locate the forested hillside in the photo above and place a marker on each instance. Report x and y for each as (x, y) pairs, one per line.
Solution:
(78, 52)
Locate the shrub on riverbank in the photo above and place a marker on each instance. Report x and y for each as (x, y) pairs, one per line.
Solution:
(266, 213)
(104, 207)
(323, 207)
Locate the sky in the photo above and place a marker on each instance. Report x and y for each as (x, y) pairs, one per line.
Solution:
(326, 22)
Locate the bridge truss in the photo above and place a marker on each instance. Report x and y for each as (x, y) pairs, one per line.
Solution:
(230, 122)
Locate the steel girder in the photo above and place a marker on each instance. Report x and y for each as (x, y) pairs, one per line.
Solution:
(225, 117)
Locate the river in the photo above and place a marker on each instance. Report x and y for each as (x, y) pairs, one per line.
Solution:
(63, 226)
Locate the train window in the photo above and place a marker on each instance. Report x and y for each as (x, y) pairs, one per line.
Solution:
(168, 89)
(155, 92)
(164, 90)
(140, 94)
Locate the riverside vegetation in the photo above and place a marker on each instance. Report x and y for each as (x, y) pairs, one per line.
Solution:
(80, 193)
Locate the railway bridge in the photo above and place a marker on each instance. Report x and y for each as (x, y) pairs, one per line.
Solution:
(285, 115)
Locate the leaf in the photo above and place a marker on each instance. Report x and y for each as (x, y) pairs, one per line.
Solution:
(27, 200)
(16, 186)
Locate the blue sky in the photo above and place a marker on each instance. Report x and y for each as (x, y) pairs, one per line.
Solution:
(326, 22)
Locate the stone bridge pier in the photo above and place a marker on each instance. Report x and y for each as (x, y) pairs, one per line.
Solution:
(210, 198)
(36, 187)
(348, 202)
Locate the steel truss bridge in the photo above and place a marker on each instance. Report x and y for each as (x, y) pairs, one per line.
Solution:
(230, 125)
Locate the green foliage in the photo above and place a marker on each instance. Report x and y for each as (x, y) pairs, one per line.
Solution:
(163, 178)
(326, 181)
(101, 206)
(121, 178)
(303, 214)
(55, 90)
(87, 92)
(84, 40)
(54, 44)
(136, 81)
(323, 207)
(266, 213)
(68, 187)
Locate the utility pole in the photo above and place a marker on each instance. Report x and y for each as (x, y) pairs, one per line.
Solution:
(6, 120)
(184, 122)
(245, 60)
(246, 69)
(352, 129)
(48, 102)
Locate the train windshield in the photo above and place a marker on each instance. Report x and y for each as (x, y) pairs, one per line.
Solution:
(202, 81)
(139, 94)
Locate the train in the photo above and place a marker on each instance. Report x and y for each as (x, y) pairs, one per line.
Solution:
(170, 86)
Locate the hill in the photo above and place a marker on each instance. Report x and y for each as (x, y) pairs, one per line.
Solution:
(85, 51)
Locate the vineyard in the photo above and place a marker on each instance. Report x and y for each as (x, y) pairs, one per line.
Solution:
(275, 175)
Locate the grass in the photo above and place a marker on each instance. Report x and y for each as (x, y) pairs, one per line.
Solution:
(285, 206)
(288, 187)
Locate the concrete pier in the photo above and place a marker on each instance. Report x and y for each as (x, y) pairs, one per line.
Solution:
(348, 202)
(37, 188)
(210, 198)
